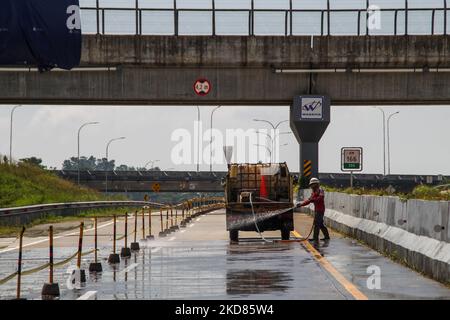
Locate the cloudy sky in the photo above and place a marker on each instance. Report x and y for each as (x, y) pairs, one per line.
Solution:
(419, 135)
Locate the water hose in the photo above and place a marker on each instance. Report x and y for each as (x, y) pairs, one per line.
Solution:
(260, 233)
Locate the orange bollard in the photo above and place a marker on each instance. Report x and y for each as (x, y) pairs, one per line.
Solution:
(150, 236)
(19, 264)
(134, 246)
(162, 233)
(50, 290)
(80, 247)
(95, 266)
(114, 257)
(126, 252)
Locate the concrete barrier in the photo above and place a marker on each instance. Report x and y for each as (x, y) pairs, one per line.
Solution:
(415, 232)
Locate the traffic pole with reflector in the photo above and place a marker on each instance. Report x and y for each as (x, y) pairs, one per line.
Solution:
(19, 265)
(134, 246)
(95, 266)
(114, 257)
(143, 224)
(50, 290)
(80, 274)
(162, 233)
(150, 236)
(126, 252)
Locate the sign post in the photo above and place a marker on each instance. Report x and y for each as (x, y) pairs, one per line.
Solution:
(351, 160)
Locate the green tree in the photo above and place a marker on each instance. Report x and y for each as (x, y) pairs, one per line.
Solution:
(33, 161)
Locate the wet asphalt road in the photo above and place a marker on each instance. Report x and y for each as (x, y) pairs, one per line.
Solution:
(198, 262)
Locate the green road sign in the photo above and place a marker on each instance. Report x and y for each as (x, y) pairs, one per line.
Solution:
(351, 159)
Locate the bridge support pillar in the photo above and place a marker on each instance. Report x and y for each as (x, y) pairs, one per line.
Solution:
(309, 118)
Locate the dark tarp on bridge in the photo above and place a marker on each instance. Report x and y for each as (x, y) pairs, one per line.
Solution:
(43, 33)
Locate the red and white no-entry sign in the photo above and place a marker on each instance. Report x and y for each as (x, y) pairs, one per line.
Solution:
(202, 87)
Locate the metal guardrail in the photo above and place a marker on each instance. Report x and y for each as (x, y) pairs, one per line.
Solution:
(42, 208)
(362, 15)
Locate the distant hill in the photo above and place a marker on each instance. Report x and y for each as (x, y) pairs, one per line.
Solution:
(27, 184)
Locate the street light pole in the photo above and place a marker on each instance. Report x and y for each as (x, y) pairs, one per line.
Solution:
(11, 132)
(210, 138)
(198, 138)
(384, 139)
(267, 148)
(274, 127)
(78, 143)
(388, 141)
(106, 169)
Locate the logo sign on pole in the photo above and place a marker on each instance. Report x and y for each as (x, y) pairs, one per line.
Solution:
(156, 187)
(202, 87)
(311, 108)
(351, 159)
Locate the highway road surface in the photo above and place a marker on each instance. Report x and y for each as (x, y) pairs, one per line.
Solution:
(198, 262)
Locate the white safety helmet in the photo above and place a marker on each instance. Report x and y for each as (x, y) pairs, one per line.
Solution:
(313, 181)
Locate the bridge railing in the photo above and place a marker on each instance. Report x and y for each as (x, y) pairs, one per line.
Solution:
(139, 20)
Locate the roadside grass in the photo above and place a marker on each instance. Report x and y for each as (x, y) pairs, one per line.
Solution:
(24, 184)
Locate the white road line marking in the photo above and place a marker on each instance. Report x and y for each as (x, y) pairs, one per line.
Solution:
(198, 219)
(54, 238)
(129, 268)
(88, 295)
(156, 250)
(182, 231)
(191, 225)
(171, 239)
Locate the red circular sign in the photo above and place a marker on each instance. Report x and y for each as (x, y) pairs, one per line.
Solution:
(202, 87)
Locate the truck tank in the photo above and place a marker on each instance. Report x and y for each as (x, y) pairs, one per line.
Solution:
(259, 197)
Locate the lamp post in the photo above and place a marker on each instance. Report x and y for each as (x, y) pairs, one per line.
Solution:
(388, 141)
(210, 138)
(384, 139)
(11, 132)
(272, 139)
(198, 138)
(78, 143)
(106, 169)
(267, 148)
(274, 127)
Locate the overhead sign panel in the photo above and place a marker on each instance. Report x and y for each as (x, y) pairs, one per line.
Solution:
(42, 33)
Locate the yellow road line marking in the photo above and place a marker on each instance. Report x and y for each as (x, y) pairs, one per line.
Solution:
(350, 287)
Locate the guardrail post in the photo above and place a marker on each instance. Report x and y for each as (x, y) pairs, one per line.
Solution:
(114, 257)
(19, 264)
(162, 233)
(50, 290)
(134, 246)
(150, 236)
(126, 252)
(95, 266)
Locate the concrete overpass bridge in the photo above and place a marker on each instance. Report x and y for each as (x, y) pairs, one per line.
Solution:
(361, 67)
(205, 181)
